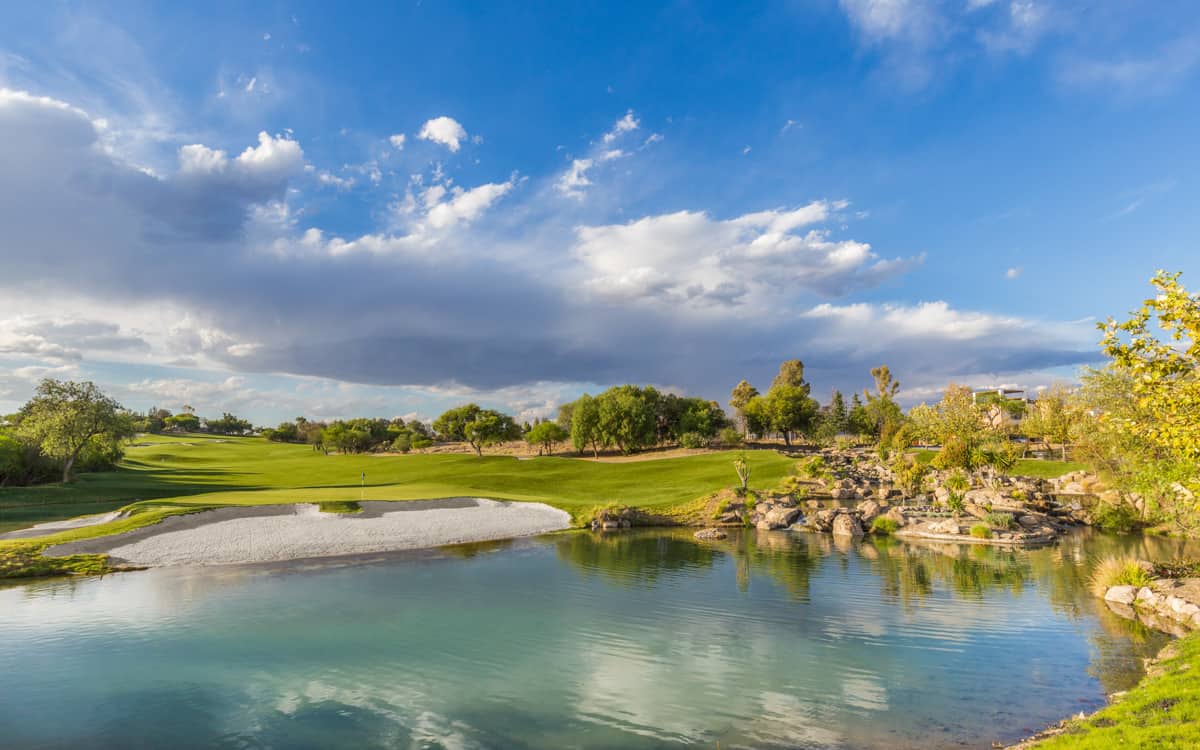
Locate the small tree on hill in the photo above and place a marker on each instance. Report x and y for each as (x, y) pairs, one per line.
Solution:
(477, 427)
(545, 435)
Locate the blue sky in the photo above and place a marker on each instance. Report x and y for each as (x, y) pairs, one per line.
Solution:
(290, 208)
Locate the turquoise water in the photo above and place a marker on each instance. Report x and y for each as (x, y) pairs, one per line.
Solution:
(641, 639)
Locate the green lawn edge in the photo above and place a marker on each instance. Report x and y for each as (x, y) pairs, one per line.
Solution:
(1162, 711)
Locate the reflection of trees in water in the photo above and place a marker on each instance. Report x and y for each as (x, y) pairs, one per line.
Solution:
(642, 557)
(634, 558)
(909, 570)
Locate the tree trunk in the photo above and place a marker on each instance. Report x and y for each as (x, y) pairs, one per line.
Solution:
(478, 450)
(67, 468)
(787, 439)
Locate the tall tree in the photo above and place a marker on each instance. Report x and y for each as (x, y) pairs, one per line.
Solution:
(741, 395)
(791, 372)
(64, 417)
(881, 406)
(585, 425)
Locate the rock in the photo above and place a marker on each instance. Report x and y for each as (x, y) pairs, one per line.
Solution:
(710, 534)
(948, 526)
(1121, 594)
(610, 525)
(869, 510)
(847, 525)
(1073, 488)
(976, 510)
(778, 518)
(813, 504)
(897, 515)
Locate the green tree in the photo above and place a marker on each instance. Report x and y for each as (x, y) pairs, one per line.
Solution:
(627, 417)
(858, 420)
(64, 417)
(585, 425)
(546, 434)
(739, 397)
(882, 411)
(838, 413)
(1052, 418)
(791, 410)
(477, 427)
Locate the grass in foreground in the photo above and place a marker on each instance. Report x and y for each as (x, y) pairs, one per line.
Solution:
(1162, 712)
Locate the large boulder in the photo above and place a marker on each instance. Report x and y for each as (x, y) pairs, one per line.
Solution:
(869, 509)
(778, 517)
(847, 525)
(948, 526)
(896, 515)
(1121, 594)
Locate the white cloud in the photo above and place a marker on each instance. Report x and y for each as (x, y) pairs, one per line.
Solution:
(1156, 73)
(467, 205)
(1013, 273)
(397, 141)
(690, 257)
(575, 179)
(444, 130)
(624, 125)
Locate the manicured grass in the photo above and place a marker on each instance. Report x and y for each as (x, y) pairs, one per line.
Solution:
(1162, 712)
(200, 470)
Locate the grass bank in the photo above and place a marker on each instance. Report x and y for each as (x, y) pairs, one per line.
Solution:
(1026, 467)
(1162, 712)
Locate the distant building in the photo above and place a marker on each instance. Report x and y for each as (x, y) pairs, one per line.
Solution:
(1004, 408)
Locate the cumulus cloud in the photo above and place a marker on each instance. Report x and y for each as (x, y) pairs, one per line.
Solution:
(689, 257)
(444, 130)
(397, 141)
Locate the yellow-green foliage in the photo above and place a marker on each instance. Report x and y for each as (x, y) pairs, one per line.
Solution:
(1117, 571)
(981, 531)
(884, 526)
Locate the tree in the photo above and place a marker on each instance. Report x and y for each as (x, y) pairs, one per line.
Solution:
(546, 434)
(757, 417)
(64, 417)
(477, 427)
(742, 469)
(838, 414)
(881, 408)
(585, 424)
(183, 422)
(627, 417)
(739, 397)
(789, 407)
(858, 420)
(1052, 417)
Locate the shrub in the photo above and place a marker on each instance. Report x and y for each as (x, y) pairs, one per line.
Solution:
(1117, 571)
(981, 531)
(1000, 520)
(721, 508)
(954, 455)
(339, 506)
(813, 467)
(693, 440)
(731, 437)
(403, 443)
(956, 503)
(1018, 495)
(1119, 517)
(884, 526)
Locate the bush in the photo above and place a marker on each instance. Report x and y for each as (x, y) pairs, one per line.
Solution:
(693, 440)
(956, 503)
(731, 437)
(1118, 571)
(884, 526)
(1119, 517)
(981, 531)
(402, 443)
(1000, 520)
(954, 455)
(813, 467)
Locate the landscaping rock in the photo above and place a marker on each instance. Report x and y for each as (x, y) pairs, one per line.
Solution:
(869, 510)
(1121, 594)
(778, 518)
(897, 515)
(846, 525)
(710, 534)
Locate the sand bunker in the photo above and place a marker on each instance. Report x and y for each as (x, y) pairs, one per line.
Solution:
(270, 533)
(53, 527)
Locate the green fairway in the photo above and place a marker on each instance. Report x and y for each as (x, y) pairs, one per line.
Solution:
(207, 470)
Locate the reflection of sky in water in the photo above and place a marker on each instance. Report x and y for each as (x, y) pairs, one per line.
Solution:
(637, 640)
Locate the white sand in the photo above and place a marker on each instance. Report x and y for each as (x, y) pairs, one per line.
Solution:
(292, 532)
(53, 527)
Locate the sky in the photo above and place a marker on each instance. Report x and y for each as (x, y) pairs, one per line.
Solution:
(335, 210)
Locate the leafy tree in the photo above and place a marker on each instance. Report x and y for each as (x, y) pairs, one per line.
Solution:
(183, 422)
(789, 407)
(64, 417)
(477, 427)
(585, 424)
(546, 434)
(739, 397)
(838, 414)
(882, 412)
(627, 418)
(229, 425)
(756, 416)
(1052, 418)
(858, 420)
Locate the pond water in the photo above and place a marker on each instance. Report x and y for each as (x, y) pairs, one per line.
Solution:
(639, 639)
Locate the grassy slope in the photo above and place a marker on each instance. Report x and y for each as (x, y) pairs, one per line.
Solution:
(1163, 711)
(198, 470)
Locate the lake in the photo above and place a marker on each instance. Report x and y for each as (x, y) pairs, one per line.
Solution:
(637, 640)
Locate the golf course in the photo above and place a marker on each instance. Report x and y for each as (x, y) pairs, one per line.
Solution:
(165, 475)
